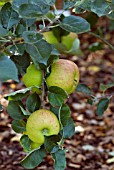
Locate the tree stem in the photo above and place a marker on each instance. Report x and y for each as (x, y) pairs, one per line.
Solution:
(102, 39)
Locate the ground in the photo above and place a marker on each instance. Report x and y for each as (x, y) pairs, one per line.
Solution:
(92, 146)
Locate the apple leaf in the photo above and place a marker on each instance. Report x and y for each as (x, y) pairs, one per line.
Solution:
(56, 96)
(9, 17)
(39, 52)
(51, 142)
(104, 87)
(16, 49)
(14, 110)
(33, 102)
(33, 10)
(3, 31)
(59, 160)
(8, 69)
(83, 88)
(18, 95)
(75, 24)
(17, 3)
(21, 61)
(25, 143)
(31, 36)
(1, 108)
(100, 7)
(69, 129)
(18, 126)
(49, 2)
(55, 149)
(64, 114)
(102, 106)
(34, 158)
(26, 113)
(55, 110)
(68, 4)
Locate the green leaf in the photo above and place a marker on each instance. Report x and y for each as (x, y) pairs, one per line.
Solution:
(59, 160)
(29, 11)
(1, 108)
(26, 113)
(69, 129)
(25, 143)
(20, 29)
(18, 126)
(51, 142)
(18, 95)
(17, 49)
(104, 87)
(64, 114)
(33, 10)
(56, 96)
(55, 110)
(90, 101)
(3, 31)
(83, 88)
(95, 46)
(68, 4)
(75, 24)
(33, 159)
(82, 5)
(8, 16)
(8, 69)
(17, 3)
(39, 52)
(102, 106)
(21, 62)
(14, 110)
(99, 7)
(33, 102)
(49, 2)
(31, 37)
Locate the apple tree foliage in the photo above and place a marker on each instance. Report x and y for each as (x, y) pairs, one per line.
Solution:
(22, 28)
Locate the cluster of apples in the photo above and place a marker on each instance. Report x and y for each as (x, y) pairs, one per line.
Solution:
(43, 122)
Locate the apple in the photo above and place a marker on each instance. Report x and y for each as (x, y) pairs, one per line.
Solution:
(50, 38)
(64, 74)
(41, 123)
(35, 145)
(33, 77)
(69, 40)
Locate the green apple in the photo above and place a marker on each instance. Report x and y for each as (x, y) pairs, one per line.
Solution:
(42, 123)
(68, 40)
(50, 38)
(33, 77)
(35, 145)
(64, 74)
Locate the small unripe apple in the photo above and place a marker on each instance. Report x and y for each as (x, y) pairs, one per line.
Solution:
(33, 77)
(64, 74)
(41, 123)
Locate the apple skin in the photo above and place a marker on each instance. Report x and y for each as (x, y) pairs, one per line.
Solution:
(50, 38)
(35, 145)
(33, 77)
(64, 74)
(42, 123)
(68, 40)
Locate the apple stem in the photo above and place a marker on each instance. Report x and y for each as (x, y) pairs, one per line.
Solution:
(43, 90)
